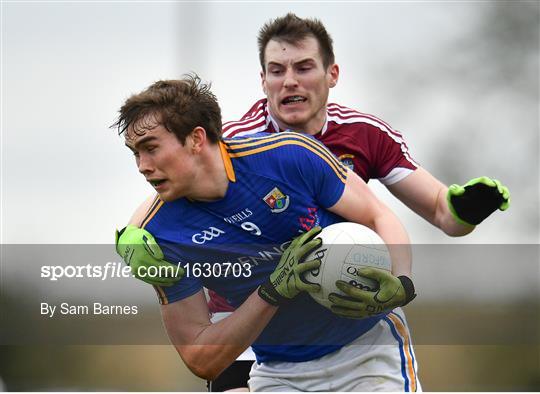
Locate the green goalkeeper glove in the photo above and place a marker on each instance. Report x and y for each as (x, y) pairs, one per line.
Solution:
(138, 248)
(358, 304)
(287, 281)
(471, 203)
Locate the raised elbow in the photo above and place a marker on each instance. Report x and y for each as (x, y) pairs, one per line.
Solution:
(204, 372)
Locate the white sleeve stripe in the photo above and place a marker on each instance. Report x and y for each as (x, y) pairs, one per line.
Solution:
(395, 136)
(259, 106)
(360, 116)
(247, 132)
(407, 156)
(254, 113)
(396, 175)
(241, 128)
(345, 111)
(361, 119)
(238, 123)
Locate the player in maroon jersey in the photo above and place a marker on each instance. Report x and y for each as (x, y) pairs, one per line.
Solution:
(298, 70)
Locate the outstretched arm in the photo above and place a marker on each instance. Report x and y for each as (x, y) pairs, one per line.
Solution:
(426, 196)
(455, 210)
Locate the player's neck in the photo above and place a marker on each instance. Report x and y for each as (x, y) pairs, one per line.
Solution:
(212, 181)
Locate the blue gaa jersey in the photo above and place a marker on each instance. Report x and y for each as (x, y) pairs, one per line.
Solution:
(280, 185)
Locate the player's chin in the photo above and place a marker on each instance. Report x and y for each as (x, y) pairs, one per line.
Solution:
(168, 191)
(168, 195)
(295, 118)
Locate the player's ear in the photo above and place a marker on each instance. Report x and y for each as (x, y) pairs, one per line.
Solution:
(263, 81)
(333, 75)
(196, 139)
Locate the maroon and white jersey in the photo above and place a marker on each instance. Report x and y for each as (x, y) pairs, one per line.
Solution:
(364, 143)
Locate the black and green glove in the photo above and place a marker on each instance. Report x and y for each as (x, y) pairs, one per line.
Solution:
(357, 304)
(287, 281)
(138, 248)
(471, 203)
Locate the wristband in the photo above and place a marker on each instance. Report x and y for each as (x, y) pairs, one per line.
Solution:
(408, 286)
(269, 294)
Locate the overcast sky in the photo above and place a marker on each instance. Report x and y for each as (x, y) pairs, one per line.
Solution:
(424, 67)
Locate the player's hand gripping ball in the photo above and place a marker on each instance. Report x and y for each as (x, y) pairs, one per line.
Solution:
(287, 280)
(140, 251)
(471, 203)
(357, 303)
(354, 275)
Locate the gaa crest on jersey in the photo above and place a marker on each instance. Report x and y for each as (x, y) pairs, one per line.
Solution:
(206, 235)
(276, 200)
(347, 161)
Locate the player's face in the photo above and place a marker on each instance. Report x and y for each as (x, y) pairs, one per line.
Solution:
(297, 84)
(165, 163)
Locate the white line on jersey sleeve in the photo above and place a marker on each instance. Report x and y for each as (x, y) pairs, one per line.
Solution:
(396, 175)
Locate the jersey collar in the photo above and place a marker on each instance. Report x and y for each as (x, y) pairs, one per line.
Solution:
(229, 169)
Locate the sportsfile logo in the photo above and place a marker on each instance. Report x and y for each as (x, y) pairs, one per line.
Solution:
(206, 235)
(110, 270)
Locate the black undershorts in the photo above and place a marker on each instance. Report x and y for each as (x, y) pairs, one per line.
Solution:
(233, 377)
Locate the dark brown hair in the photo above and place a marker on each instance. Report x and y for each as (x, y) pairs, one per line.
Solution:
(292, 29)
(178, 105)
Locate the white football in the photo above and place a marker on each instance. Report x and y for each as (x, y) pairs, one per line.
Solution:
(346, 247)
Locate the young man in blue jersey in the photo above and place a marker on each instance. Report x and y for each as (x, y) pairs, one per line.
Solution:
(224, 202)
(297, 71)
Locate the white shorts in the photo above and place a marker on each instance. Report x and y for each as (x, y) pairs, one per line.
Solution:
(380, 360)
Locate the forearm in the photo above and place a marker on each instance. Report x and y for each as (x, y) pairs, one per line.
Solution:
(443, 217)
(426, 196)
(214, 347)
(390, 229)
